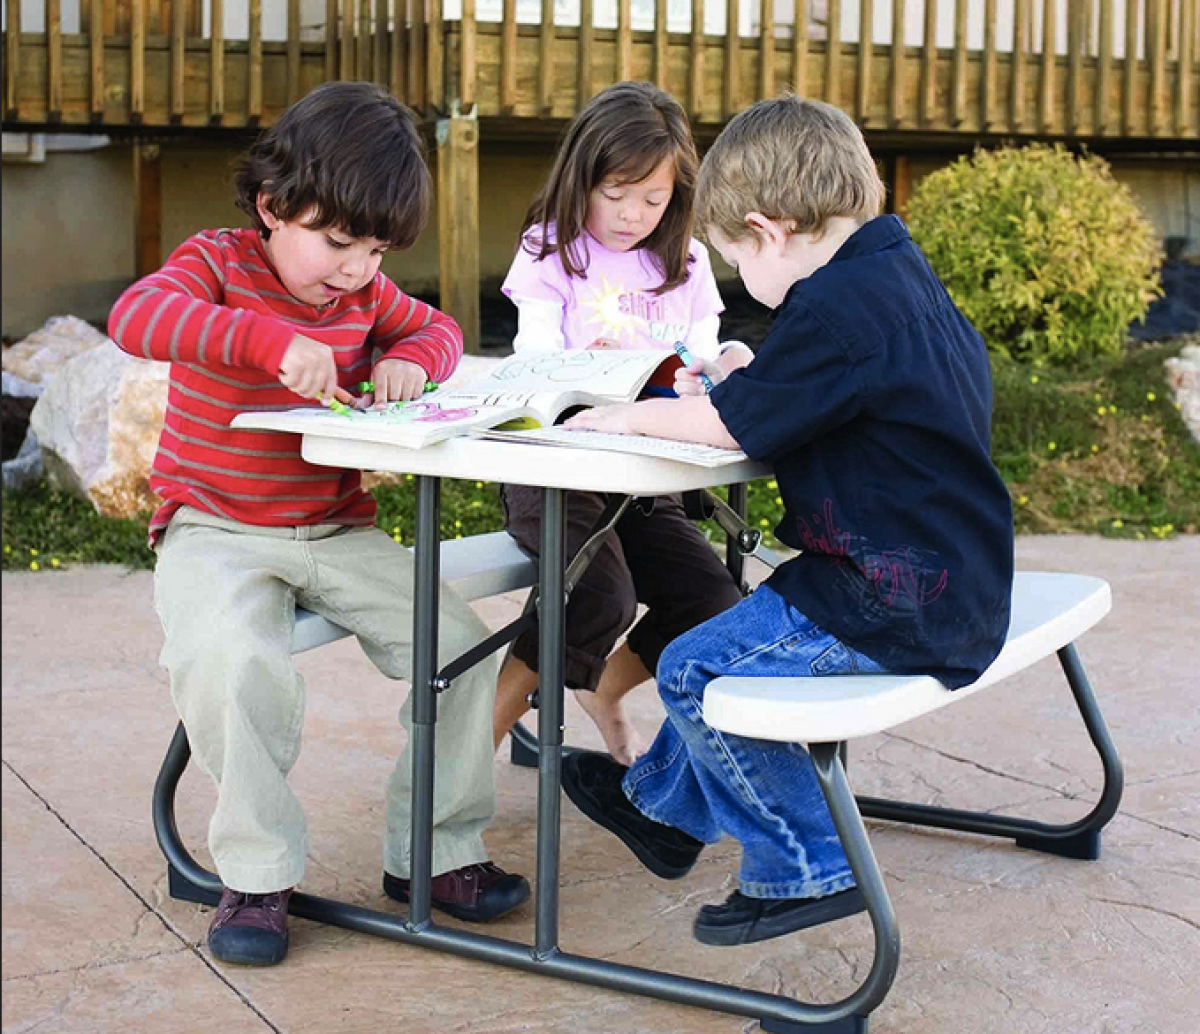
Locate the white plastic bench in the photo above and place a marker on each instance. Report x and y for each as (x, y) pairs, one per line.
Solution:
(1049, 612)
(477, 567)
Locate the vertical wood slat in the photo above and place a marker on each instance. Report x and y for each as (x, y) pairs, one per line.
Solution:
(12, 55)
(729, 81)
(661, 58)
(833, 52)
(293, 50)
(546, 59)
(396, 62)
(362, 41)
(987, 85)
(137, 60)
(96, 31)
(800, 48)
(584, 71)
(1104, 47)
(147, 191)
(696, 60)
(1049, 58)
(331, 39)
(508, 58)
(866, 52)
(380, 40)
(54, 59)
(1129, 81)
(254, 95)
(346, 67)
(458, 223)
(624, 40)
(896, 88)
(928, 91)
(1016, 95)
(416, 56)
(468, 57)
(1156, 47)
(766, 57)
(1187, 55)
(958, 67)
(1077, 41)
(216, 108)
(435, 57)
(178, 57)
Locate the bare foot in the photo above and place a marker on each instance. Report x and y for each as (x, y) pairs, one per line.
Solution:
(620, 736)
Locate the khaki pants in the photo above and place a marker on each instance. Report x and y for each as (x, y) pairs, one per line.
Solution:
(226, 594)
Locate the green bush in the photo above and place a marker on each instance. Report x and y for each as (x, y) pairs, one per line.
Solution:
(1045, 252)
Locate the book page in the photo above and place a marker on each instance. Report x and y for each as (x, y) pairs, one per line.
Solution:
(609, 373)
(640, 445)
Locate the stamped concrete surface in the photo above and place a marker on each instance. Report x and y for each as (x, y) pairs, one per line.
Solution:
(995, 939)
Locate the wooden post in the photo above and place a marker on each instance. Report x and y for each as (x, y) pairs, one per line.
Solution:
(900, 177)
(147, 190)
(458, 221)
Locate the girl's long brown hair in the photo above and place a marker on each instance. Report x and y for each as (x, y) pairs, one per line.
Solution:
(626, 130)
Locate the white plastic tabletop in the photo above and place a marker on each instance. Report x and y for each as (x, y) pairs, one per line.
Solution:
(526, 463)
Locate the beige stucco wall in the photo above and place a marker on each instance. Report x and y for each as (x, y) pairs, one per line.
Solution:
(68, 223)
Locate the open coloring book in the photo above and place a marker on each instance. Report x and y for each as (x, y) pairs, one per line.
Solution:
(526, 391)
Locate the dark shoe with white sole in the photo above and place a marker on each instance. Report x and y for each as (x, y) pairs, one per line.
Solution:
(593, 783)
(743, 920)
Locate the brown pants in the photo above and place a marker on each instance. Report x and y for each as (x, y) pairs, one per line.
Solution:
(661, 559)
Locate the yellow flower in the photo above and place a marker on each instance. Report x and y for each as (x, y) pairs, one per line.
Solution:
(1033, 379)
(1150, 396)
(396, 538)
(54, 562)
(396, 529)
(773, 485)
(479, 484)
(1052, 446)
(1022, 500)
(1140, 537)
(7, 549)
(33, 565)
(458, 524)
(1100, 410)
(764, 523)
(1095, 448)
(33, 552)
(1118, 523)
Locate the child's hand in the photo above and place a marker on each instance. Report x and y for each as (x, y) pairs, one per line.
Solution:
(309, 369)
(687, 378)
(616, 419)
(397, 380)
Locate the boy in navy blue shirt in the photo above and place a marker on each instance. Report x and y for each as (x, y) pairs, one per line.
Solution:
(871, 398)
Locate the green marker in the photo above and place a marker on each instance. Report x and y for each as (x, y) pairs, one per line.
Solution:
(365, 386)
(431, 385)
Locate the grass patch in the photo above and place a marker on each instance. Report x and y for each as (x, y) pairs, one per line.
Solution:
(1102, 449)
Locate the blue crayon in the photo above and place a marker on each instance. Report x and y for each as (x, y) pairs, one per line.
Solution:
(686, 357)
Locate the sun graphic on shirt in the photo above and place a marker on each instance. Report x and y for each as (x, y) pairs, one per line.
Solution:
(602, 306)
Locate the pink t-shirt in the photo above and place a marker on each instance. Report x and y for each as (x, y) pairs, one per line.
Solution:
(616, 299)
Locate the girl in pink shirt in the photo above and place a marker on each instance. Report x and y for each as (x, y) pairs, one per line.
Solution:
(607, 260)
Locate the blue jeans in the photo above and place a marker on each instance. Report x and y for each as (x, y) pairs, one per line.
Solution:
(763, 793)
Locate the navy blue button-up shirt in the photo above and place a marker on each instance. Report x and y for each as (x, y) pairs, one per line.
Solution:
(871, 397)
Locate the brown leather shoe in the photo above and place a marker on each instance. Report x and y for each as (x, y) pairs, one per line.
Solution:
(475, 893)
(250, 929)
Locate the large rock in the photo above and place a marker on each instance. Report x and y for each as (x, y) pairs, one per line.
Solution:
(1183, 375)
(98, 423)
(38, 358)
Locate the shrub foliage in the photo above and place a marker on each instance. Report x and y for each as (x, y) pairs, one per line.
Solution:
(1045, 252)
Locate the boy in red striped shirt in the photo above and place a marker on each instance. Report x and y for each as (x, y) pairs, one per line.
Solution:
(260, 319)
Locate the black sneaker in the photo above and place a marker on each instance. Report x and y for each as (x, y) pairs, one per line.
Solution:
(743, 920)
(593, 783)
(250, 929)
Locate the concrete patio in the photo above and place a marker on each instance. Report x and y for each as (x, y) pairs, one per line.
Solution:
(996, 940)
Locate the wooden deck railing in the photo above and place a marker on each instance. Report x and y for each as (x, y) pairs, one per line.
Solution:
(1067, 68)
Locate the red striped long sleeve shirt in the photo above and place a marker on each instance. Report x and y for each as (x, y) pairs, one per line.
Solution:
(223, 320)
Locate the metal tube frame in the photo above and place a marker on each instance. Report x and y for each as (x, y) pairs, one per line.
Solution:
(189, 881)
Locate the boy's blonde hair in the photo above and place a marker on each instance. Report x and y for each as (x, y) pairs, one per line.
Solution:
(794, 160)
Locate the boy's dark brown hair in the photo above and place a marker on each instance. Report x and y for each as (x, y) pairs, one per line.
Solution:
(351, 154)
(626, 130)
